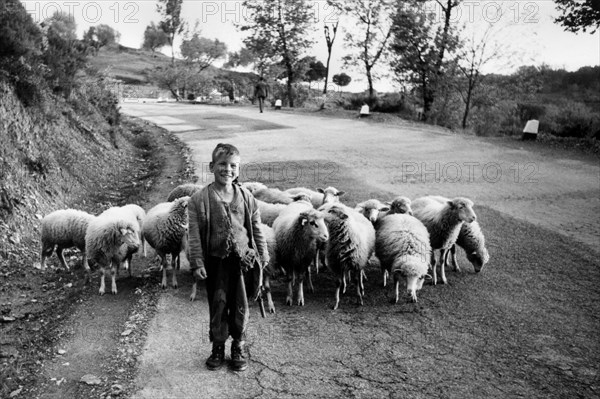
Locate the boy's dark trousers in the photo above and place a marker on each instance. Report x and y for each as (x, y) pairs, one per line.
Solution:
(228, 304)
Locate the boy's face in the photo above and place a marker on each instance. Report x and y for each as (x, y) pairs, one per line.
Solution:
(226, 169)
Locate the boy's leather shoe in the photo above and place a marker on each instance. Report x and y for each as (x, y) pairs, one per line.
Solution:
(238, 357)
(217, 357)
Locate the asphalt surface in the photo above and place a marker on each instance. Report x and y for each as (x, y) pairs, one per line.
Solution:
(498, 334)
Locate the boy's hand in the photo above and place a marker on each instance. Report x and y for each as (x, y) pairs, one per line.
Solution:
(200, 273)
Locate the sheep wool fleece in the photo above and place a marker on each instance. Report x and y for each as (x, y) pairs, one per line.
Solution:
(225, 286)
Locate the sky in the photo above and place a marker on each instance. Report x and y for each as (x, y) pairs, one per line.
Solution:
(525, 28)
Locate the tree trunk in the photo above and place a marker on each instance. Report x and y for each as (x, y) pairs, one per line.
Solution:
(467, 106)
(327, 72)
(370, 80)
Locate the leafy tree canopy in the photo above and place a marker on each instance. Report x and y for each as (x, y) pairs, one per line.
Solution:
(579, 15)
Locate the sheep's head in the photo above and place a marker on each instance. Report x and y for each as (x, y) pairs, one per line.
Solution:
(464, 209)
(314, 221)
(401, 205)
(330, 194)
(129, 238)
(413, 284)
(371, 209)
(478, 259)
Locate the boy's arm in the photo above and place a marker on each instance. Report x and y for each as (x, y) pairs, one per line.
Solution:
(195, 240)
(259, 239)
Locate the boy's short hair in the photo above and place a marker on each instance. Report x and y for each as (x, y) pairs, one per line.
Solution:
(224, 149)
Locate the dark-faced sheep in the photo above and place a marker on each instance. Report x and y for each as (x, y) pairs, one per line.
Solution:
(64, 229)
(403, 248)
(443, 221)
(184, 190)
(165, 229)
(298, 229)
(350, 246)
(108, 240)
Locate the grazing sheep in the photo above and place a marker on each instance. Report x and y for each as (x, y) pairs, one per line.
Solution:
(253, 186)
(184, 190)
(350, 246)
(272, 196)
(165, 229)
(297, 230)
(64, 229)
(443, 221)
(371, 209)
(471, 239)
(403, 248)
(319, 197)
(109, 238)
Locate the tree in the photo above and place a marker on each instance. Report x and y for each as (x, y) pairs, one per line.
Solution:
(578, 15)
(278, 34)
(154, 38)
(341, 79)
(329, 40)
(316, 71)
(369, 37)
(420, 46)
(100, 36)
(171, 24)
(202, 52)
(244, 57)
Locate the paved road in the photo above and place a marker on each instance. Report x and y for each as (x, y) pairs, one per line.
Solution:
(356, 351)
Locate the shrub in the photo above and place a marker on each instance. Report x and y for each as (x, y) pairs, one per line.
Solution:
(570, 119)
(527, 111)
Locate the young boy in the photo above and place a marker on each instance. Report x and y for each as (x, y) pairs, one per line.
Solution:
(225, 240)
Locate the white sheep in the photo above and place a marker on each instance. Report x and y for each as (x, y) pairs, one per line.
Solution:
(136, 215)
(184, 190)
(272, 196)
(64, 229)
(403, 248)
(166, 230)
(350, 246)
(471, 239)
(109, 238)
(297, 229)
(443, 221)
(319, 197)
(269, 212)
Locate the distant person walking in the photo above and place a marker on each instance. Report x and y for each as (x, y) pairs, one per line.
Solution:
(261, 91)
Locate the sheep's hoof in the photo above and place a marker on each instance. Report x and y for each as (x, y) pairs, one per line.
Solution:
(335, 306)
(101, 292)
(163, 286)
(272, 310)
(192, 298)
(114, 292)
(288, 301)
(300, 302)
(175, 285)
(394, 301)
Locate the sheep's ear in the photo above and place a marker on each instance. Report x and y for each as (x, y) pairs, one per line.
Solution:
(340, 193)
(451, 204)
(304, 221)
(384, 209)
(428, 277)
(343, 216)
(320, 190)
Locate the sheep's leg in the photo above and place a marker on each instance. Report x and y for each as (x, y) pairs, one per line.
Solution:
(396, 287)
(267, 285)
(344, 273)
(61, 257)
(363, 277)
(338, 286)
(113, 279)
(310, 284)
(46, 252)
(102, 285)
(433, 268)
(359, 288)
(301, 290)
(143, 244)
(175, 267)
(163, 267)
(443, 253)
(290, 285)
(454, 261)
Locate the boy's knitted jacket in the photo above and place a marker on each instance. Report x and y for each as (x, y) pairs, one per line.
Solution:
(199, 226)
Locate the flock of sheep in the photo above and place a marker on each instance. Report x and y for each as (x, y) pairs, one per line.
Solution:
(304, 229)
